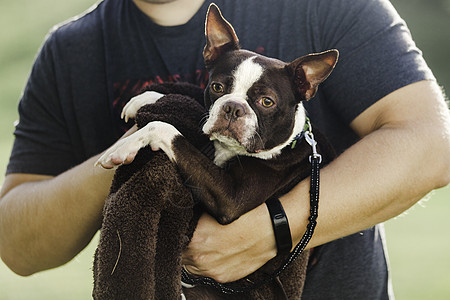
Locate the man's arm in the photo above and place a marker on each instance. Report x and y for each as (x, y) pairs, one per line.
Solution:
(404, 154)
(45, 221)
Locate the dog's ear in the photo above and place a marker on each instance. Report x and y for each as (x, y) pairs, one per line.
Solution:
(220, 35)
(310, 70)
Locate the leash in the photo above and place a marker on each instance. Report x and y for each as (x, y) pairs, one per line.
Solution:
(315, 159)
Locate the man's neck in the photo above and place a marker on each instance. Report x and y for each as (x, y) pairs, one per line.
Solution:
(173, 13)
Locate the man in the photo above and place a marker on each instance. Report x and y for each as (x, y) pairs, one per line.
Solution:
(381, 108)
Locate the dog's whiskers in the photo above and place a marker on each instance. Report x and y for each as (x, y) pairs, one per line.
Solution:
(204, 119)
(258, 136)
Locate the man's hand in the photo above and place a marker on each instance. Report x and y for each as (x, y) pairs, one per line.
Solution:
(228, 253)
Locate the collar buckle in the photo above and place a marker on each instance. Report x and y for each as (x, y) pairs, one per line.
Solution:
(309, 137)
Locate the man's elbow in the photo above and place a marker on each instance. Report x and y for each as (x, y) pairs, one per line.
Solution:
(16, 263)
(430, 145)
(18, 257)
(441, 156)
(444, 177)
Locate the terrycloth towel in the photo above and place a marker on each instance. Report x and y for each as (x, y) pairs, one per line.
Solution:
(148, 217)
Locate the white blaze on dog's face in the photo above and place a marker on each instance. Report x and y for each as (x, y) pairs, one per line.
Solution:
(231, 119)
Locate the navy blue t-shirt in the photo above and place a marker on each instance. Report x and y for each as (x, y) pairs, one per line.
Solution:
(89, 67)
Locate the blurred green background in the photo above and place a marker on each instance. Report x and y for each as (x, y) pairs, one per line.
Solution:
(418, 241)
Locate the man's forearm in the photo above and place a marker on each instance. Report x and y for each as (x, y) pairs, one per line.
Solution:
(45, 223)
(370, 183)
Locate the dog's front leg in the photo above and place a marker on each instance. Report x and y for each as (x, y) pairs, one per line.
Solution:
(226, 193)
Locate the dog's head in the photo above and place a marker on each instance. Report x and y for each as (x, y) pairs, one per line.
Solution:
(255, 102)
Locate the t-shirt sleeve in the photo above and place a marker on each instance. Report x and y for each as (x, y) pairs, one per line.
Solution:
(42, 144)
(377, 53)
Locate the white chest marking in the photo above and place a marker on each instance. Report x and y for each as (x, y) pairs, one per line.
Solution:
(299, 124)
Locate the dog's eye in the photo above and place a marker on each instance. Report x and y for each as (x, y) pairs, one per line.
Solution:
(217, 87)
(266, 102)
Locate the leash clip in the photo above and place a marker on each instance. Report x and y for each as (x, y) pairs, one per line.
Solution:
(309, 137)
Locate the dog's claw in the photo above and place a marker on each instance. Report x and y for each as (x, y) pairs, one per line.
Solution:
(105, 165)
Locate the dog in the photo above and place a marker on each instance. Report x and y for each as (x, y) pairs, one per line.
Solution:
(255, 117)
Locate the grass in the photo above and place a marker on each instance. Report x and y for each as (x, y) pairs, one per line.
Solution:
(73, 281)
(418, 241)
(419, 249)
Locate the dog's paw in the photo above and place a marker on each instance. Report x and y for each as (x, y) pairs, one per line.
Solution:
(159, 135)
(130, 109)
(122, 152)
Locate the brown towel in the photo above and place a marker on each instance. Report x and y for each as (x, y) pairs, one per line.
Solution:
(150, 216)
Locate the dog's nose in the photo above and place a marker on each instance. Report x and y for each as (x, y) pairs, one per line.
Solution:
(233, 110)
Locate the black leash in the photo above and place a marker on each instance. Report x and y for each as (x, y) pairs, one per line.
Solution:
(227, 288)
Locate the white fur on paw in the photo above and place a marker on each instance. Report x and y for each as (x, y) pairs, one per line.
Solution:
(130, 109)
(124, 150)
(159, 135)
